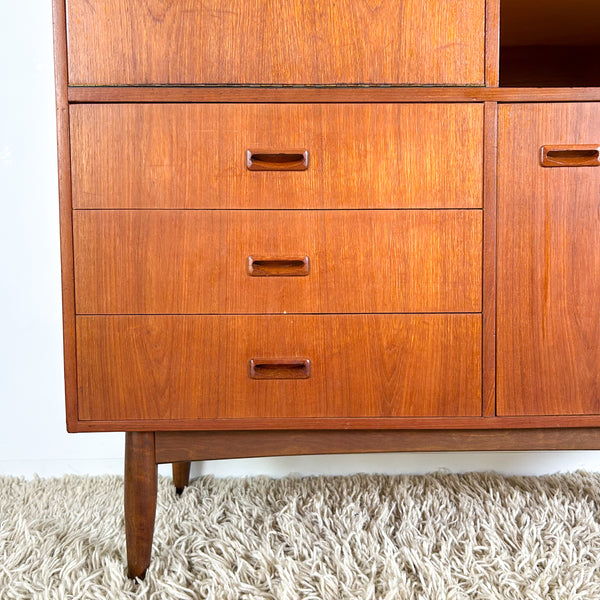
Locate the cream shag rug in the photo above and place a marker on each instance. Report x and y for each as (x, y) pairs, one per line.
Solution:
(454, 537)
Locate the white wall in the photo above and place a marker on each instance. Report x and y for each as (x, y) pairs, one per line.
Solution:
(32, 431)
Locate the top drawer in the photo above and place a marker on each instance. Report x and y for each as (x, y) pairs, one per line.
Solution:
(357, 155)
(286, 42)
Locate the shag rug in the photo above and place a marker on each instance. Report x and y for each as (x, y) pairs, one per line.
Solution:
(440, 536)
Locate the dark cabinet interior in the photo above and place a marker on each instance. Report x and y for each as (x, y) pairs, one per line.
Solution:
(555, 43)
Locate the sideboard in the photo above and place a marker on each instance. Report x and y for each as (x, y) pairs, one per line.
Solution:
(316, 226)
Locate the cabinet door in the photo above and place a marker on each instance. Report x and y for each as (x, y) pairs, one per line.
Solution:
(548, 260)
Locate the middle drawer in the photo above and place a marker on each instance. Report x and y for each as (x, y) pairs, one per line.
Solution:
(248, 261)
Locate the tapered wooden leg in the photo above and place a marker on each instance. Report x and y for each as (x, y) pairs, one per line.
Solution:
(181, 475)
(141, 477)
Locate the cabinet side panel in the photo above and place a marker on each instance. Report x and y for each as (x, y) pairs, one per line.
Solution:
(66, 231)
(548, 261)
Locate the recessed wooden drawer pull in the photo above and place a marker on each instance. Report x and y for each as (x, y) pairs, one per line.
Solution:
(278, 267)
(290, 160)
(570, 156)
(279, 368)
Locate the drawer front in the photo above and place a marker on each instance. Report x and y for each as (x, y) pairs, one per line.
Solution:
(174, 261)
(549, 259)
(194, 367)
(357, 155)
(129, 42)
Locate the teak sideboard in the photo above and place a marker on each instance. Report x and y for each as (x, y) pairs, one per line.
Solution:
(326, 226)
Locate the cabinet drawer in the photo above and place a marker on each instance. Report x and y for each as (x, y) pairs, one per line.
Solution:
(196, 155)
(312, 42)
(191, 367)
(176, 261)
(549, 259)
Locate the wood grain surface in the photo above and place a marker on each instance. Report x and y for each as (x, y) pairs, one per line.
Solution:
(548, 264)
(330, 95)
(565, 422)
(65, 212)
(492, 43)
(141, 485)
(196, 367)
(210, 445)
(310, 42)
(194, 156)
(196, 261)
(489, 259)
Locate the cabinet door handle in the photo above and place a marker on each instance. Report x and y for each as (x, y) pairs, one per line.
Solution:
(279, 368)
(278, 266)
(570, 156)
(288, 160)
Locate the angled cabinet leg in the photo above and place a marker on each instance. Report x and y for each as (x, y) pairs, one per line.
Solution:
(141, 476)
(181, 475)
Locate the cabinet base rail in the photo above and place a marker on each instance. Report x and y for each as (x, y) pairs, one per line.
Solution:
(144, 451)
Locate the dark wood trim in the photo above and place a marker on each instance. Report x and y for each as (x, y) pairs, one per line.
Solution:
(66, 229)
(401, 423)
(193, 445)
(330, 94)
(492, 43)
(141, 485)
(489, 259)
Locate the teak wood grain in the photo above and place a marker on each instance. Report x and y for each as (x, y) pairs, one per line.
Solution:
(141, 483)
(181, 261)
(313, 42)
(287, 123)
(195, 367)
(564, 422)
(194, 155)
(330, 95)
(211, 445)
(65, 212)
(489, 259)
(548, 264)
(492, 43)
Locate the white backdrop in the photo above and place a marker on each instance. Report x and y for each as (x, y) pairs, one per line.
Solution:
(33, 438)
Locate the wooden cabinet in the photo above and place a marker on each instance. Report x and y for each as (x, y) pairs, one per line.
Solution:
(308, 226)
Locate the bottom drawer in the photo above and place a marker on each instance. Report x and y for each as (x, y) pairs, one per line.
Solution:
(195, 367)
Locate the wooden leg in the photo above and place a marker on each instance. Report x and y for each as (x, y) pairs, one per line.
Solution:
(141, 477)
(181, 475)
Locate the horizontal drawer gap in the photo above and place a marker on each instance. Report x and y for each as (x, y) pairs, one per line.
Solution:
(274, 86)
(271, 314)
(299, 209)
